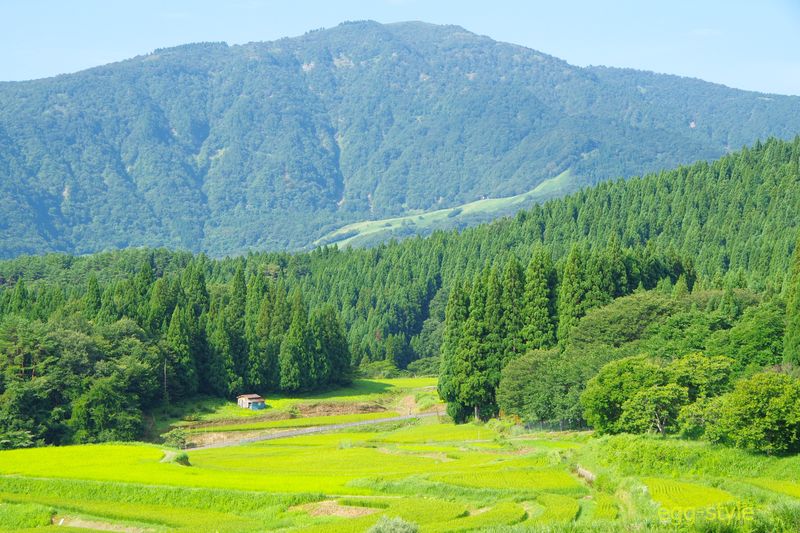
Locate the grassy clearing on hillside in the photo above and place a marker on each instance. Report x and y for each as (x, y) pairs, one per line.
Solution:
(370, 231)
(379, 394)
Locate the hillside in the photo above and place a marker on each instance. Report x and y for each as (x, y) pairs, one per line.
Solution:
(274, 145)
(221, 325)
(431, 474)
(667, 304)
(735, 219)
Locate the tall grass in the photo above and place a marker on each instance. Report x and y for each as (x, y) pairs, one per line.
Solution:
(16, 516)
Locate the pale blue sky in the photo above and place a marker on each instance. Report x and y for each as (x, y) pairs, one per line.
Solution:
(746, 44)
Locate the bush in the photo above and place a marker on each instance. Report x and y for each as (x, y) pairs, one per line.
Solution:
(381, 369)
(427, 366)
(15, 439)
(16, 516)
(761, 414)
(182, 459)
(393, 525)
(175, 438)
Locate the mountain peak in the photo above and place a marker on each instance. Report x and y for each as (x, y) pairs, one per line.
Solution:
(272, 145)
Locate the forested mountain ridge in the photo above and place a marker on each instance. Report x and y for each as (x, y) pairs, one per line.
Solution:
(694, 259)
(269, 146)
(735, 220)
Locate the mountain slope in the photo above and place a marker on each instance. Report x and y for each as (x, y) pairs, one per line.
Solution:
(273, 145)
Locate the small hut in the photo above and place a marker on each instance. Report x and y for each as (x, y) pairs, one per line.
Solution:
(251, 401)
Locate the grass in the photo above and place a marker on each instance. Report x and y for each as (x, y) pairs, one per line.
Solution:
(427, 471)
(539, 479)
(784, 487)
(673, 494)
(605, 507)
(310, 421)
(16, 516)
(195, 413)
(370, 231)
(557, 508)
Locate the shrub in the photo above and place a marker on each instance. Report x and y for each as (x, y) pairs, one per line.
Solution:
(427, 366)
(15, 439)
(16, 516)
(175, 438)
(393, 525)
(761, 414)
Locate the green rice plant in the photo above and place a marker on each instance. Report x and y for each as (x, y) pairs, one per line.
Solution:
(422, 511)
(502, 514)
(672, 494)
(644, 455)
(557, 508)
(605, 507)
(15, 516)
(430, 431)
(231, 501)
(373, 503)
(287, 423)
(544, 479)
(784, 487)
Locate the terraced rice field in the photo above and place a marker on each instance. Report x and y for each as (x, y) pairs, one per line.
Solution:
(673, 494)
(427, 471)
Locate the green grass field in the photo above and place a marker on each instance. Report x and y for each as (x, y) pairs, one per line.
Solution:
(428, 471)
(382, 396)
(370, 231)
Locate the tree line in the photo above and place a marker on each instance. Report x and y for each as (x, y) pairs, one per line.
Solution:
(507, 310)
(721, 365)
(83, 365)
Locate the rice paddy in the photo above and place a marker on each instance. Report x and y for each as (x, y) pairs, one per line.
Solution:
(427, 471)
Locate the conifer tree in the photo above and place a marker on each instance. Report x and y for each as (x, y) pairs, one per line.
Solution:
(472, 364)
(681, 288)
(19, 297)
(791, 342)
(194, 286)
(329, 347)
(92, 298)
(335, 343)
(263, 362)
(221, 376)
(538, 306)
(493, 342)
(235, 322)
(162, 304)
(181, 370)
(571, 294)
(512, 304)
(456, 313)
(294, 358)
(615, 271)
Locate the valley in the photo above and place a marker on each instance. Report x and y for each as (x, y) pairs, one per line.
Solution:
(424, 471)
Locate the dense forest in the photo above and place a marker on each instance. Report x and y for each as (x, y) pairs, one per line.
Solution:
(647, 273)
(268, 146)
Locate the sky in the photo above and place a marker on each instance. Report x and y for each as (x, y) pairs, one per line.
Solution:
(745, 44)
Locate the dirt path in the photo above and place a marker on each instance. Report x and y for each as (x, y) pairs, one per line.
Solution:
(96, 525)
(310, 431)
(408, 404)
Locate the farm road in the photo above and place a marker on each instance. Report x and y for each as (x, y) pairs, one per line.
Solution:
(311, 430)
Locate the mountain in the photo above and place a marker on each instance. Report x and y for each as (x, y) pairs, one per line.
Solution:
(271, 146)
(725, 231)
